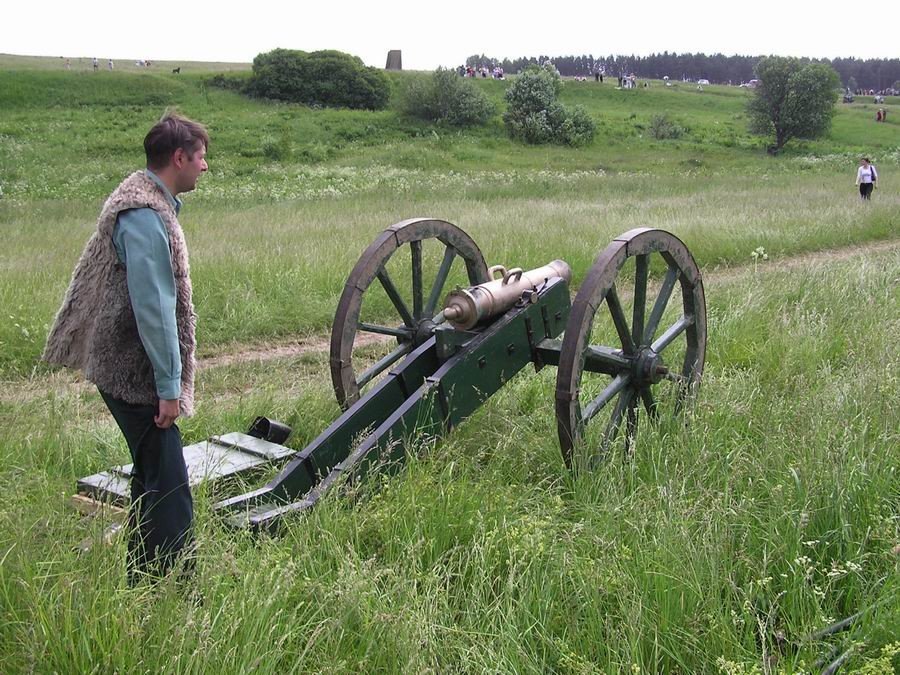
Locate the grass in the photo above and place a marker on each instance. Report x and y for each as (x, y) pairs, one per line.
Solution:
(485, 554)
(718, 547)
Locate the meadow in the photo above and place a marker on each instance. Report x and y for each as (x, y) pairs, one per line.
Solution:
(720, 546)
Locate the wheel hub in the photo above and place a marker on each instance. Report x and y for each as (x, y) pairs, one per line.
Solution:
(424, 330)
(648, 367)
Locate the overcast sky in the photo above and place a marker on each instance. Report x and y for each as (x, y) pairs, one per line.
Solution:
(435, 34)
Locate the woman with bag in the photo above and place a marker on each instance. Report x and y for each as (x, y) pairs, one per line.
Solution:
(866, 177)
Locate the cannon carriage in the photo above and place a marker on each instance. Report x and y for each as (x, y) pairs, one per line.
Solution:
(425, 332)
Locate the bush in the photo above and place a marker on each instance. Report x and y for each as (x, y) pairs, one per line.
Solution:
(327, 77)
(577, 129)
(230, 81)
(447, 98)
(662, 128)
(536, 89)
(535, 116)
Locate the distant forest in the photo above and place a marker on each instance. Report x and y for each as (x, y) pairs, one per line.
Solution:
(718, 68)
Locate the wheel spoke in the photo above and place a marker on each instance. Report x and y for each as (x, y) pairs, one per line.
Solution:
(416, 251)
(618, 383)
(641, 270)
(665, 292)
(612, 428)
(673, 332)
(440, 280)
(649, 403)
(384, 363)
(391, 290)
(618, 317)
(402, 333)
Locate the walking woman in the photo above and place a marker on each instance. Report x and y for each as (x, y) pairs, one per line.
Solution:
(866, 177)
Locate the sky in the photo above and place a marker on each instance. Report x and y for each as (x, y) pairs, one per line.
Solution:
(444, 34)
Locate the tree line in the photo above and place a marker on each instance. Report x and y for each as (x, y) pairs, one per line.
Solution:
(875, 74)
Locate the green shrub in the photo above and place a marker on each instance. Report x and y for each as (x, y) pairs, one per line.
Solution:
(230, 81)
(577, 129)
(662, 128)
(447, 98)
(326, 77)
(536, 89)
(535, 116)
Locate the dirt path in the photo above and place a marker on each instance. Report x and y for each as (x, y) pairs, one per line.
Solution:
(803, 260)
(64, 383)
(316, 344)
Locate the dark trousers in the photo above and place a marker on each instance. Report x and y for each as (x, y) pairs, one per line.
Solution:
(162, 509)
(865, 190)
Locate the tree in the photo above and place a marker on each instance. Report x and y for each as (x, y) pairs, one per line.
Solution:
(794, 99)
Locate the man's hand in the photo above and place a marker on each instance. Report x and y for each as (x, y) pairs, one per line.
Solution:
(168, 413)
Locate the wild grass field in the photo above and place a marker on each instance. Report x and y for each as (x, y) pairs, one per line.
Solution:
(722, 545)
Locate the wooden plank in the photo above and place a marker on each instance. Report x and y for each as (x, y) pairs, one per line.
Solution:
(88, 506)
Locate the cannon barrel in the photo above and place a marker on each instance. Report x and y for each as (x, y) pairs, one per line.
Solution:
(465, 308)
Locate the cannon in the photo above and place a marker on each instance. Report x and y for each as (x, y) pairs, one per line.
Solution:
(408, 361)
(622, 345)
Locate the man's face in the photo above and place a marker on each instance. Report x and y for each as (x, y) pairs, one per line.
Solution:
(189, 167)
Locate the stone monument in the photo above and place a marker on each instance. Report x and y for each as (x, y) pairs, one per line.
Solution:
(394, 61)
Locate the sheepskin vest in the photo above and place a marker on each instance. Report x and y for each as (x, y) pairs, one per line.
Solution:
(95, 330)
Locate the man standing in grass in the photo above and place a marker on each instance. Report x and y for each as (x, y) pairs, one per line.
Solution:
(128, 323)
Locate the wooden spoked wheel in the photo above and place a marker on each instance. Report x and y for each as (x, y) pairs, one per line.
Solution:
(628, 344)
(414, 262)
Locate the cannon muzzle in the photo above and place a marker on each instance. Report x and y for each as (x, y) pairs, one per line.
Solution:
(465, 308)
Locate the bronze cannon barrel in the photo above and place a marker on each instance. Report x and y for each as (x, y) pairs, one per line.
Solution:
(465, 308)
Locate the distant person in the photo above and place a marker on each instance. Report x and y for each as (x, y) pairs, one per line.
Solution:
(127, 321)
(866, 178)
(96, 64)
(879, 115)
(110, 64)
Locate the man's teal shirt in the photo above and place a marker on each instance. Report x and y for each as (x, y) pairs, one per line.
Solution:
(142, 244)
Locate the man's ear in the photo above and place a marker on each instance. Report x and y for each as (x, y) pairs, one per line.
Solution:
(179, 157)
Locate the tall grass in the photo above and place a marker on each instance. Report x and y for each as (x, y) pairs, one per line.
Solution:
(719, 546)
(275, 270)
